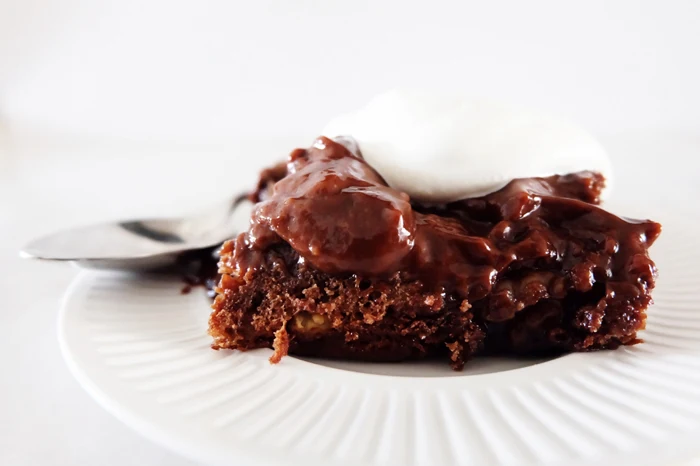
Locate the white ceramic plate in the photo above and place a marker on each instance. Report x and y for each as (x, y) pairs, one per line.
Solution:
(140, 348)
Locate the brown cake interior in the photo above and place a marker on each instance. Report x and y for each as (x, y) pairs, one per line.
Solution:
(337, 264)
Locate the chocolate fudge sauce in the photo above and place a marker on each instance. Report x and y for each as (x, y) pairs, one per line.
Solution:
(340, 216)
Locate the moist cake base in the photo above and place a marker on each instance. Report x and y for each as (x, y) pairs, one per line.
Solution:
(296, 309)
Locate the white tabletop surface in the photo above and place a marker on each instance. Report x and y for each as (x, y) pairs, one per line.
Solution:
(49, 182)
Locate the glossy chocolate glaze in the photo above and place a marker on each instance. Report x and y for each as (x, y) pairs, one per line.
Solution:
(339, 215)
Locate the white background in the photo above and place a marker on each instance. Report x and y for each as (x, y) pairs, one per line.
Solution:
(129, 108)
(225, 69)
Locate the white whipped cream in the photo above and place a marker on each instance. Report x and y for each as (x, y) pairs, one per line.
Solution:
(445, 148)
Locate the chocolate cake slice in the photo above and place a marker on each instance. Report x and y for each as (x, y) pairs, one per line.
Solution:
(337, 264)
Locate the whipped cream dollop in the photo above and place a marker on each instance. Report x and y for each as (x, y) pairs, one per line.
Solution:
(439, 148)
